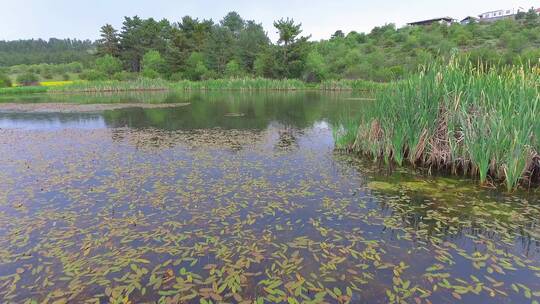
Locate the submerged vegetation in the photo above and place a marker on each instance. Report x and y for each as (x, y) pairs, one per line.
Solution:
(216, 215)
(160, 183)
(459, 118)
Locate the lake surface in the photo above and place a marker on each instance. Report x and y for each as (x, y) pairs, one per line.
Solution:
(241, 198)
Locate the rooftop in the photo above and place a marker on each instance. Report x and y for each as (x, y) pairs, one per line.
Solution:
(448, 19)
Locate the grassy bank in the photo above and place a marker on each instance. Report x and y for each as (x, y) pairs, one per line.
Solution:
(113, 86)
(23, 90)
(245, 84)
(457, 118)
(352, 85)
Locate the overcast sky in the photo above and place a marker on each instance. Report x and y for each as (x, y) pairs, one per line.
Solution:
(22, 19)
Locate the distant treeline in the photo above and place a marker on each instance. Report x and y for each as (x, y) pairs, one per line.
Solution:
(233, 48)
(53, 51)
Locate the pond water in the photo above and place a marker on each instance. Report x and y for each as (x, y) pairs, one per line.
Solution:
(241, 198)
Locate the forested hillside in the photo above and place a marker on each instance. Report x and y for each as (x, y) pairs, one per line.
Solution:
(52, 51)
(200, 49)
(233, 47)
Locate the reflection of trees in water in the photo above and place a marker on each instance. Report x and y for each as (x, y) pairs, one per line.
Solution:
(456, 217)
(253, 110)
(465, 226)
(50, 117)
(219, 139)
(287, 137)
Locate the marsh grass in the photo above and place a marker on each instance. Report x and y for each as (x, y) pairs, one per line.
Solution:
(243, 84)
(23, 90)
(141, 84)
(352, 85)
(238, 84)
(345, 132)
(459, 118)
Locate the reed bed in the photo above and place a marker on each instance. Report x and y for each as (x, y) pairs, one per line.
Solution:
(243, 84)
(352, 85)
(458, 118)
(141, 84)
(240, 84)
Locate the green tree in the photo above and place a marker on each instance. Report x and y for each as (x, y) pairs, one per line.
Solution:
(233, 70)
(220, 49)
(5, 81)
(178, 50)
(93, 75)
(28, 79)
(288, 32)
(233, 22)
(108, 65)
(338, 34)
(139, 36)
(265, 64)
(252, 41)
(109, 44)
(196, 67)
(316, 70)
(153, 65)
(531, 18)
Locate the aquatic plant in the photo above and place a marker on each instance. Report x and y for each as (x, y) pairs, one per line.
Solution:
(141, 216)
(456, 117)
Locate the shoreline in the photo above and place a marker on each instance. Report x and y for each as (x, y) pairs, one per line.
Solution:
(80, 108)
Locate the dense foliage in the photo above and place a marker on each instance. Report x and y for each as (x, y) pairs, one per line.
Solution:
(53, 51)
(193, 49)
(201, 49)
(5, 81)
(27, 79)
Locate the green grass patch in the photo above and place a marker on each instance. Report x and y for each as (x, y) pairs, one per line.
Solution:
(23, 90)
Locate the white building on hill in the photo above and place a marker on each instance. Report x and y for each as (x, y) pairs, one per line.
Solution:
(497, 15)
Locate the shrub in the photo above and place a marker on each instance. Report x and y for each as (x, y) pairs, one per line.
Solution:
(152, 64)
(177, 76)
(28, 79)
(93, 75)
(150, 74)
(108, 65)
(5, 82)
(316, 70)
(124, 76)
(196, 67)
(233, 70)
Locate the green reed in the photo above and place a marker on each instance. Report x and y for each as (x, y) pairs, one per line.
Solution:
(242, 84)
(352, 85)
(141, 84)
(237, 84)
(460, 118)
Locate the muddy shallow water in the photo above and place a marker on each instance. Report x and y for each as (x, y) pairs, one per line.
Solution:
(241, 198)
